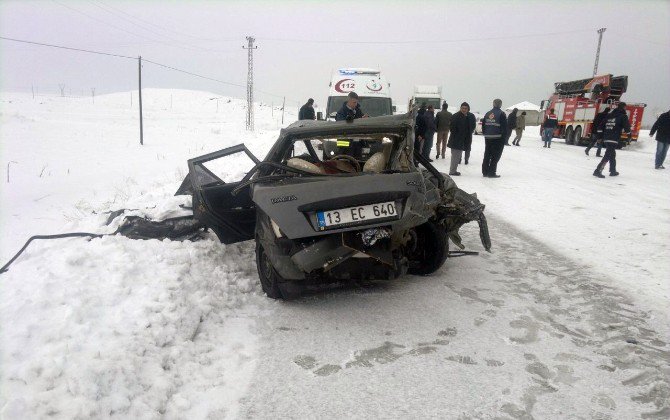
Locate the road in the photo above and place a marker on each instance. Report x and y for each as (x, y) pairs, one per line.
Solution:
(520, 333)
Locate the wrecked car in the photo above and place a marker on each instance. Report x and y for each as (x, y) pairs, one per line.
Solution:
(334, 201)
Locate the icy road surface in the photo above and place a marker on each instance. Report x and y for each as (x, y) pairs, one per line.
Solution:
(518, 334)
(567, 318)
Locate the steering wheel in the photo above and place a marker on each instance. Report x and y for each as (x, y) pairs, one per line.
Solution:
(351, 160)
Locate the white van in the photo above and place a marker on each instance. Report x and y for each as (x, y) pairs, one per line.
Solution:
(430, 95)
(372, 89)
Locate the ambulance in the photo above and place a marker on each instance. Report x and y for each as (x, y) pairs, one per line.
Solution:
(370, 86)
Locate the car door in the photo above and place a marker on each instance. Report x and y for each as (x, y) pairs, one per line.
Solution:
(214, 176)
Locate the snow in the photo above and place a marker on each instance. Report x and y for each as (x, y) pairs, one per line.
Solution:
(567, 318)
(523, 106)
(619, 226)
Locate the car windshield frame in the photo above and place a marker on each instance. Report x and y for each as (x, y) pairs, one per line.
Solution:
(392, 163)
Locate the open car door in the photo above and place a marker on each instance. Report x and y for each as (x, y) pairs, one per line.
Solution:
(214, 176)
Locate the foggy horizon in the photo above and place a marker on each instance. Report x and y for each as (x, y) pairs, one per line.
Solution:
(476, 51)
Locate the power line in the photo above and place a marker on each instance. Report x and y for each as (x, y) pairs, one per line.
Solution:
(67, 48)
(122, 29)
(423, 41)
(108, 9)
(626, 35)
(194, 74)
(135, 58)
(174, 31)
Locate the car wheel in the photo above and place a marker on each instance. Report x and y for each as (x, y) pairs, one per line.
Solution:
(568, 135)
(430, 249)
(270, 279)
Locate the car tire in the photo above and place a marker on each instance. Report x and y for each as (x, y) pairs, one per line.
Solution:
(268, 276)
(431, 251)
(577, 136)
(568, 135)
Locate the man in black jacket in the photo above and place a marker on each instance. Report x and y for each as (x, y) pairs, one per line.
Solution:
(350, 110)
(462, 125)
(429, 121)
(616, 122)
(662, 128)
(420, 129)
(307, 111)
(597, 131)
(494, 128)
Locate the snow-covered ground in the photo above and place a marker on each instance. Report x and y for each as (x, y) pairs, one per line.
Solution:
(567, 318)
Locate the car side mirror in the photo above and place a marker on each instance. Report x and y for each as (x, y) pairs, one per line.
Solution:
(319, 116)
(393, 109)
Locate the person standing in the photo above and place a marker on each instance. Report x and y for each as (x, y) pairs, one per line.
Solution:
(494, 129)
(662, 128)
(548, 126)
(350, 110)
(419, 129)
(597, 131)
(616, 122)
(462, 125)
(511, 125)
(431, 128)
(442, 121)
(307, 111)
(520, 126)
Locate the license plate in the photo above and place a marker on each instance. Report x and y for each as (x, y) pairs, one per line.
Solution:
(358, 214)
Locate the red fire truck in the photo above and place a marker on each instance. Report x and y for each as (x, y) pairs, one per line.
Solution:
(576, 104)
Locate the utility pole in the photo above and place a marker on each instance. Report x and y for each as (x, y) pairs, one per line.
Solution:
(139, 61)
(283, 107)
(250, 83)
(600, 40)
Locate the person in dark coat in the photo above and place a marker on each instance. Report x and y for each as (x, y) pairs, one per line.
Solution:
(350, 110)
(462, 125)
(662, 129)
(419, 129)
(613, 126)
(597, 132)
(431, 128)
(307, 111)
(442, 121)
(494, 128)
(511, 125)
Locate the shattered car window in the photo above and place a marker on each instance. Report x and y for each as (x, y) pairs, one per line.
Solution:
(350, 154)
(230, 168)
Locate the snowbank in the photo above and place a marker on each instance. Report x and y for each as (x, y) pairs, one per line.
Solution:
(116, 327)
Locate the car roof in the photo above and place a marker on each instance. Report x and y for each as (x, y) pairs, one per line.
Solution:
(394, 123)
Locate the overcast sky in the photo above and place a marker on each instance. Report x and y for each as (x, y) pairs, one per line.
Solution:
(476, 50)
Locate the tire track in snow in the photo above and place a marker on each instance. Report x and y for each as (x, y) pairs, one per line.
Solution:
(560, 340)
